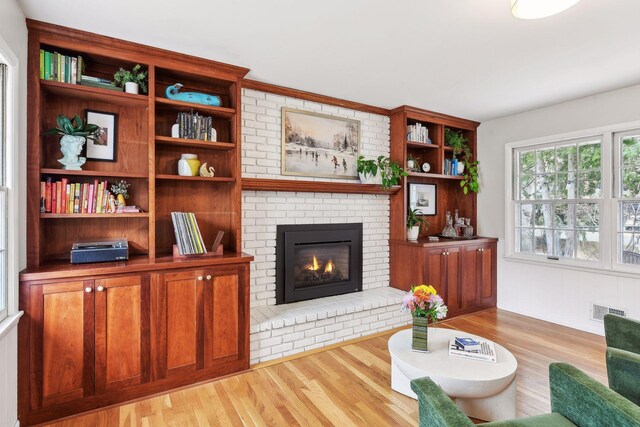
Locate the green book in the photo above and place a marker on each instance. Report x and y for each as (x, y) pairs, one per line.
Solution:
(41, 64)
(59, 67)
(47, 66)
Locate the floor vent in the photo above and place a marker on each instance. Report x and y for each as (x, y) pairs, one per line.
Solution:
(598, 312)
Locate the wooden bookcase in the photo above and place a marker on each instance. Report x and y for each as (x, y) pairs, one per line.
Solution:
(98, 334)
(146, 154)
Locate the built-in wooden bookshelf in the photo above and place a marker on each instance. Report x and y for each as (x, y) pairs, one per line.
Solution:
(146, 155)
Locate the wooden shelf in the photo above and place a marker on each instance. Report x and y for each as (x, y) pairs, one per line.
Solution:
(93, 215)
(195, 178)
(94, 94)
(51, 171)
(433, 175)
(223, 112)
(194, 143)
(447, 148)
(414, 144)
(261, 184)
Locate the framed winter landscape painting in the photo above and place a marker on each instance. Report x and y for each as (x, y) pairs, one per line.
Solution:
(319, 145)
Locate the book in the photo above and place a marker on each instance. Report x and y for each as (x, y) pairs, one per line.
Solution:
(47, 66)
(42, 63)
(64, 194)
(486, 353)
(108, 86)
(467, 344)
(47, 205)
(43, 196)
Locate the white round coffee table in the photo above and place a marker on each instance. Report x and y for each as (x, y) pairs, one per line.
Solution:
(482, 390)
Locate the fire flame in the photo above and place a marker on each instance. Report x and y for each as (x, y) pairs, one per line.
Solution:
(329, 267)
(315, 266)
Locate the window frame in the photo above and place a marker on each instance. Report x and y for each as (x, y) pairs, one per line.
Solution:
(609, 202)
(11, 313)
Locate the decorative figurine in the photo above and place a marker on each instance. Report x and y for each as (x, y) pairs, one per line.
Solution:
(173, 92)
(74, 134)
(207, 171)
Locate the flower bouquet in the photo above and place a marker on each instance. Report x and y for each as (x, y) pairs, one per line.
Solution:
(424, 303)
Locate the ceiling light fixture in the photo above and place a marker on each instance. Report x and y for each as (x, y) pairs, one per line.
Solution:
(535, 9)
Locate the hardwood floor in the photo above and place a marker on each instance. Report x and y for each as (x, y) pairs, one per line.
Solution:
(349, 385)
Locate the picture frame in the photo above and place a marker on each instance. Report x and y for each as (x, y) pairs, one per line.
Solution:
(105, 148)
(319, 145)
(423, 197)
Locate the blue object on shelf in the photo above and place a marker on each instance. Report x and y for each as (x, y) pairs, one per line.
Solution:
(173, 92)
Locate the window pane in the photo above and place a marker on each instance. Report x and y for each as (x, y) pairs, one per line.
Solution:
(589, 184)
(630, 248)
(566, 158)
(630, 220)
(630, 171)
(589, 155)
(546, 160)
(565, 243)
(545, 186)
(587, 215)
(543, 215)
(527, 186)
(566, 185)
(527, 161)
(564, 215)
(525, 240)
(525, 215)
(543, 241)
(589, 244)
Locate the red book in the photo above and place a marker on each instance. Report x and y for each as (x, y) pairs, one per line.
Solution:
(92, 191)
(43, 196)
(47, 197)
(54, 197)
(63, 196)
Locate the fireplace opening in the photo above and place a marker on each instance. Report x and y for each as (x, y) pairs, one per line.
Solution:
(314, 261)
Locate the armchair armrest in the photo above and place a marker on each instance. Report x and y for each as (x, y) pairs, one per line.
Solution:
(622, 332)
(586, 402)
(435, 409)
(623, 370)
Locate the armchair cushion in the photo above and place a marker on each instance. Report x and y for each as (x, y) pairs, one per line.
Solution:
(435, 408)
(623, 370)
(588, 403)
(622, 332)
(546, 420)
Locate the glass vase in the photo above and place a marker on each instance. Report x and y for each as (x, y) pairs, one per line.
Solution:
(420, 337)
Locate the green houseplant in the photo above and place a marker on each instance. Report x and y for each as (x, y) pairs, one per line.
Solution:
(132, 80)
(414, 222)
(74, 134)
(390, 172)
(470, 178)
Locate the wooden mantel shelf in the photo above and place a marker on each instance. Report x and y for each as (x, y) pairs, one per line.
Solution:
(263, 184)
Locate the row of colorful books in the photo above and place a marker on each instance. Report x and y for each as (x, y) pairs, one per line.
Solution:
(187, 232)
(451, 167)
(61, 68)
(76, 197)
(418, 133)
(194, 126)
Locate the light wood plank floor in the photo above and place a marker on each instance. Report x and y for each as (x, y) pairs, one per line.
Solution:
(349, 385)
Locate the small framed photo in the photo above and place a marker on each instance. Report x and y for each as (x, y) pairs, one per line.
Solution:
(423, 197)
(104, 147)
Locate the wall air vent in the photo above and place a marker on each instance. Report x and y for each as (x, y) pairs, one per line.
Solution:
(598, 312)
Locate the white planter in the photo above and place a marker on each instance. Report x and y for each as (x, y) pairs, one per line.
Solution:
(460, 168)
(411, 164)
(369, 179)
(71, 147)
(131, 87)
(413, 233)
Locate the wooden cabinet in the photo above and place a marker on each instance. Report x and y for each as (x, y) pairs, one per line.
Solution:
(463, 272)
(87, 343)
(199, 321)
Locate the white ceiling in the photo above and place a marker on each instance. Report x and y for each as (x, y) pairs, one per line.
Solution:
(469, 58)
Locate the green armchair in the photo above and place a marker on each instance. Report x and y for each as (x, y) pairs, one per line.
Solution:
(576, 400)
(623, 355)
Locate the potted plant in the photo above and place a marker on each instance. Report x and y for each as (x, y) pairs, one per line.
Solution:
(390, 172)
(414, 221)
(74, 134)
(368, 171)
(424, 303)
(132, 81)
(121, 190)
(412, 163)
(458, 142)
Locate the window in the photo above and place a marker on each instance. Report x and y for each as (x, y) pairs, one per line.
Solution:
(557, 201)
(4, 290)
(575, 199)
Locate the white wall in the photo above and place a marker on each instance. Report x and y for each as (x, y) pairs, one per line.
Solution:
(551, 293)
(14, 34)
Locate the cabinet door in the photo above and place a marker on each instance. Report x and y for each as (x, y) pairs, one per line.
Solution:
(487, 274)
(61, 343)
(435, 270)
(178, 308)
(470, 263)
(223, 316)
(451, 279)
(122, 332)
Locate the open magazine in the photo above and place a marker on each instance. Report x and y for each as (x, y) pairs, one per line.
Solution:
(486, 352)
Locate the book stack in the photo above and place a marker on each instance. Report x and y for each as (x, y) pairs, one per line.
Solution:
(99, 83)
(76, 198)
(60, 68)
(451, 167)
(418, 133)
(194, 126)
(472, 348)
(188, 237)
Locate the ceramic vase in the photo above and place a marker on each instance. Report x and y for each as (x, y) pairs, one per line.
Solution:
(420, 336)
(189, 165)
(460, 168)
(413, 232)
(370, 179)
(121, 200)
(131, 87)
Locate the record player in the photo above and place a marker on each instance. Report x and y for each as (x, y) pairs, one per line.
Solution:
(100, 251)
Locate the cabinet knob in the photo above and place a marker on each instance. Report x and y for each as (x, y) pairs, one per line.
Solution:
(200, 278)
(100, 288)
(208, 277)
(88, 290)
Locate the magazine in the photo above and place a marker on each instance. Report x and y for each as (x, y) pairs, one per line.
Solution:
(486, 353)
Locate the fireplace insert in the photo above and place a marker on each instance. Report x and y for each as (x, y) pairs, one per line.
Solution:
(314, 261)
